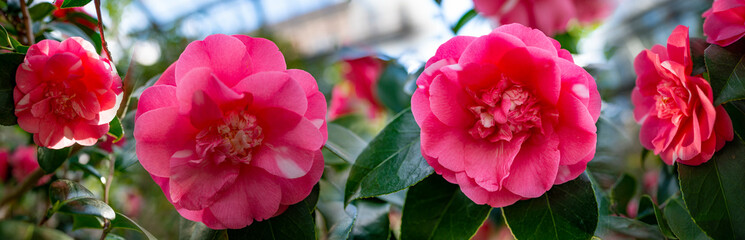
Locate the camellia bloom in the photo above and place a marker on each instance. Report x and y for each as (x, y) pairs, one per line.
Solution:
(679, 121)
(549, 16)
(507, 115)
(64, 14)
(231, 135)
(66, 93)
(724, 22)
(359, 90)
(23, 162)
(3, 164)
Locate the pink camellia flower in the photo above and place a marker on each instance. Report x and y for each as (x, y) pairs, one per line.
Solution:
(3, 164)
(362, 74)
(23, 162)
(724, 22)
(66, 93)
(679, 121)
(507, 115)
(589, 11)
(64, 14)
(231, 135)
(549, 16)
(108, 144)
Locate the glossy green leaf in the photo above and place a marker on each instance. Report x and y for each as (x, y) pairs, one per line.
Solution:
(660, 218)
(70, 30)
(342, 229)
(4, 38)
(297, 222)
(17, 230)
(115, 129)
(391, 162)
(41, 10)
(124, 222)
(726, 74)
(50, 159)
(88, 206)
(86, 221)
(714, 192)
(9, 63)
(567, 211)
(622, 192)
(568, 41)
(111, 236)
(390, 87)
(74, 3)
(189, 230)
(681, 222)
(470, 14)
(372, 221)
(631, 227)
(64, 190)
(344, 143)
(437, 209)
(698, 49)
(667, 183)
(736, 111)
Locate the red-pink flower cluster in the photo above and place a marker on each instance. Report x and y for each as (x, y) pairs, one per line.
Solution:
(359, 88)
(679, 121)
(507, 115)
(549, 16)
(231, 135)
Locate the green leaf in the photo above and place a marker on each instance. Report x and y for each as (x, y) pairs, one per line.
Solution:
(681, 222)
(74, 3)
(726, 73)
(297, 222)
(372, 221)
(4, 38)
(736, 112)
(124, 222)
(470, 14)
(70, 30)
(437, 209)
(86, 221)
(713, 192)
(70, 197)
(189, 230)
(9, 63)
(661, 222)
(631, 227)
(17, 230)
(50, 159)
(622, 192)
(567, 211)
(41, 10)
(343, 228)
(667, 183)
(391, 162)
(115, 129)
(390, 87)
(344, 143)
(88, 206)
(568, 40)
(698, 49)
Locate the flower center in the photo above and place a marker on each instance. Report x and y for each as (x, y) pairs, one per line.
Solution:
(671, 100)
(233, 139)
(503, 111)
(61, 103)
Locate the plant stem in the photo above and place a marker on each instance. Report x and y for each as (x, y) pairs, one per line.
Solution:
(106, 229)
(109, 179)
(27, 22)
(100, 30)
(26, 185)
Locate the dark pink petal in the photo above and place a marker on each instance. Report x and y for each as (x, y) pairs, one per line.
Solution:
(87, 134)
(479, 195)
(535, 168)
(155, 97)
(295, 190)
(160, 133)
(444, 143)
(271, 59)
(274, 89)
(204, 111)
(678, 47)
(193, 182)
(490, 48)
(449, 102)
(488, 164)
(202, 79)
(576, 130)
(168, 77)
(534, 67)
(222, 54)
(529, 36)
(452, 49)
(253, 196)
